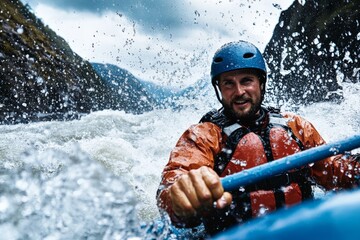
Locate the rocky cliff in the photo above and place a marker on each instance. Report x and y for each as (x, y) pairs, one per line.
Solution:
(314, 48)
(41, 77)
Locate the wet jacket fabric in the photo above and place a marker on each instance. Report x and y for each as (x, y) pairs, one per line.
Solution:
(272, 136)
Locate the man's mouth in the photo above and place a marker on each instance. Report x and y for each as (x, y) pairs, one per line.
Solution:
(240, 101)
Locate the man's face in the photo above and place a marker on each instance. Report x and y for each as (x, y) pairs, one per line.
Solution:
(241, 93)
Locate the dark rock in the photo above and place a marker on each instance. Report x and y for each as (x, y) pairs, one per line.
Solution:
(41, 78)
(314, 47)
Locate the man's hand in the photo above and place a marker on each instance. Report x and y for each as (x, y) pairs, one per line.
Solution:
(196, 191)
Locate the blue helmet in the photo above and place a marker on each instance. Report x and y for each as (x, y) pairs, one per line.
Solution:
(237, 55)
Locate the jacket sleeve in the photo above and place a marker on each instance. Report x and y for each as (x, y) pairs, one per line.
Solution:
(196, 147)
(332, 173)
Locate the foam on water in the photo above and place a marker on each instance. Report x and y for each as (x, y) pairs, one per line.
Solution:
(336, 121)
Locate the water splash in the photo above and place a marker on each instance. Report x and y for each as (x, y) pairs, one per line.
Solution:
(56, 195)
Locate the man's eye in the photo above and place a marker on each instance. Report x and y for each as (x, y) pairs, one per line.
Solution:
(246, 80)
(228, 83)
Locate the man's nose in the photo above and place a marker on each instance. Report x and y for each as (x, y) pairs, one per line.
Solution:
(239, 89)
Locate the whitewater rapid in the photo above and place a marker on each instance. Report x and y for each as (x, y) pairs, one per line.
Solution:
(98, 176)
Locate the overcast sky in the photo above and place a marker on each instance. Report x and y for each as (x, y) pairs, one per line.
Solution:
(169, 42)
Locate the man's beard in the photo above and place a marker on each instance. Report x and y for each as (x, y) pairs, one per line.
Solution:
(244, 117)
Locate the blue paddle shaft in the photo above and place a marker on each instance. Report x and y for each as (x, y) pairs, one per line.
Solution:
(261, 172)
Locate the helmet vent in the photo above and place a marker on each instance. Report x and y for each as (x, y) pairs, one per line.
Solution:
(218, 60)
(248, 55)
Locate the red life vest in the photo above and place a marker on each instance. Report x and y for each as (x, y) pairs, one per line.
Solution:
(268, 139)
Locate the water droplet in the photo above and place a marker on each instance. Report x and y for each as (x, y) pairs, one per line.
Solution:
(20, 30)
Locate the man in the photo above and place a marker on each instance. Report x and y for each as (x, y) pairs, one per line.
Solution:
(241, 135)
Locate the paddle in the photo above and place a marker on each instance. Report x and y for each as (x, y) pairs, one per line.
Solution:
(261, 172)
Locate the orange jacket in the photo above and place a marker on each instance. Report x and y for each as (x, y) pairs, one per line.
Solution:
(200, 144)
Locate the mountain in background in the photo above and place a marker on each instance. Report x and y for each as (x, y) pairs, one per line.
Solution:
(132, 94)
(143, 95)
(128, 93)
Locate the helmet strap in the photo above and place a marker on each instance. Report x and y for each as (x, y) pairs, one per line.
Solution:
(263, 86)
(217, 91)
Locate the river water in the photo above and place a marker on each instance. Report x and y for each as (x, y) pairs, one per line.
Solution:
(96, 178)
